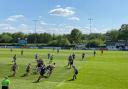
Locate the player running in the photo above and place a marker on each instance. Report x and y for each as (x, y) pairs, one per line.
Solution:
(14, 58)
(75, 73)
(70, 61)
(50, 69)
(40, 63)
(51, 59)
(73, 56)
(42, 72)
(28, 69)
(13, 69)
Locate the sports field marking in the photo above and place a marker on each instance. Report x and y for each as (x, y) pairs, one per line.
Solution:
(60, 84)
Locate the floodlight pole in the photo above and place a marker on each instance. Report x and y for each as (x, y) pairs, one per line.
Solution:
(35, 21)
(90, 22)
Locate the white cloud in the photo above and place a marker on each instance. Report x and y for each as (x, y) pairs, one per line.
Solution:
(70, 8)
(68, 12)
(74, 18)
(58, 6)
(64, 12)
(43, 23)
(24, 28)
(7, 28)
(43, 26)
(15, 18)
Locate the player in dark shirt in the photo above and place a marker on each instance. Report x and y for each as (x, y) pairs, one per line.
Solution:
(42, 72)
(94, 53)
(14, 58)
(71, 61)
(58, 50)
(73, 56)
(22, 52)
(50, 68)
(36, 56)
(49, 55)
(51, 59)
(13, 69)
(83, 55)
(75, 73)
(40, 63)
(28, 68)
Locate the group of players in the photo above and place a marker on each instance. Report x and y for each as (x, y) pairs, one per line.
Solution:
(43, 70)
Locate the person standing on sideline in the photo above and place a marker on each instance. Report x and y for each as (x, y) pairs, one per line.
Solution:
(49, 55)
(102, 51)
(94, 53)
(22, 52)
(11, 49)
(58, 50)
(5, 83)
(83, 55)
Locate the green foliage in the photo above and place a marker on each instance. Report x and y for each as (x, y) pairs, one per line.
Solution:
(123, 33)
(17, 35)
(94, 43)
(6, 37)
(75, 36)
(113, 34)
(44, 38)
(61, 41)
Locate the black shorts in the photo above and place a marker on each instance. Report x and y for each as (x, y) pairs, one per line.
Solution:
(71, 63)
(27, 70)
(5, 87)
(76, 73)
(14, 70)
(42, 74)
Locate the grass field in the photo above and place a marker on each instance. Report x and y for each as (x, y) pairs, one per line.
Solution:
(107, 71)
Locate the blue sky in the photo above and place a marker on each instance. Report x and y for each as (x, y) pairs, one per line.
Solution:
(61, 16)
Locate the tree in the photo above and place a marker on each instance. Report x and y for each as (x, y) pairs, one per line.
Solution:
(75, 36)
(31, 38)
(17, 35)
(6, 37)
(44, 38)
(123, 32)
(60, 41)
(113, 34)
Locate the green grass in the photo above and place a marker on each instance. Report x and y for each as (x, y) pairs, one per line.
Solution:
(107, 71)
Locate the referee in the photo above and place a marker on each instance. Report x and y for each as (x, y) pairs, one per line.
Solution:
(5, 83)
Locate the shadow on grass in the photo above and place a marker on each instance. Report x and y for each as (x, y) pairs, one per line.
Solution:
(71, 80)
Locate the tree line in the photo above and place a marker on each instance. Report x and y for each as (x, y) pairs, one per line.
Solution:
(75, 37)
